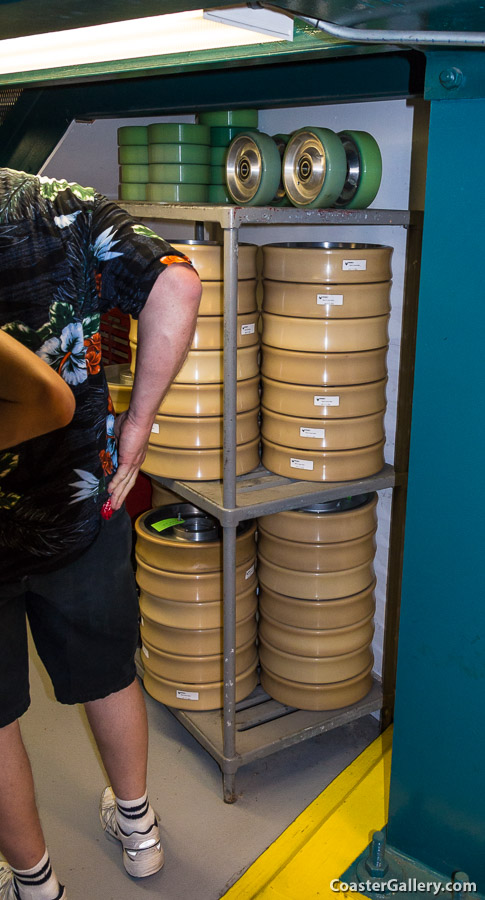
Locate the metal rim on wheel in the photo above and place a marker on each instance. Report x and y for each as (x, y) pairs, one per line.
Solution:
(314, 167)
(280, 198)
(364, 170)
(253, 168)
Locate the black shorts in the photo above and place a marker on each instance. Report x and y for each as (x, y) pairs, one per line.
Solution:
(84, 622)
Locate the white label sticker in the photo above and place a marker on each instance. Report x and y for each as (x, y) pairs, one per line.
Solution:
(248, 329)
(330, 299)
(145, 651)
(156, 428)
(187, 695)
(301, 464)
(326, 401)
(354, 265)
(312, 432)
(249, 573)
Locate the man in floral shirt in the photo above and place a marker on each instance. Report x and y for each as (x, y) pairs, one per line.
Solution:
(68, 255)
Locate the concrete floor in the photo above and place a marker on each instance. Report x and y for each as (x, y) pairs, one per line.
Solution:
(208, 844)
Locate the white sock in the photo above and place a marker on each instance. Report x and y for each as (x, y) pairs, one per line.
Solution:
(39, 882)
(134, 815)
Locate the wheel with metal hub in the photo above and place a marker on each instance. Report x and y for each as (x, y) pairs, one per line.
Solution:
(253, 169)
(364, 170)
(314, 167)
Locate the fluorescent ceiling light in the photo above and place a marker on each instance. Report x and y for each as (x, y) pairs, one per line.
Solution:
(278, 25)
(134, 39)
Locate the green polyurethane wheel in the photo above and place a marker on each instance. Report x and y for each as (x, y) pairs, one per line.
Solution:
(253, 169)
(178, 193)
(364, 170)
(222, 137)
(132, 134)
(314, 167)
(247, 118)
(132, 192)
(218, 156)
(178, 133)
(134, 174)
(219, 194)
(218, 175)
(133, 154)
(171, 173)
(280, 198)
(198, 154)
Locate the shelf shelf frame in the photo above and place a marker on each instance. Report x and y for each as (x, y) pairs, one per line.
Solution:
(231, 500)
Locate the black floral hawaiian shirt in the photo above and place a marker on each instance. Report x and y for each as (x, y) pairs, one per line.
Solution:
(67, 255)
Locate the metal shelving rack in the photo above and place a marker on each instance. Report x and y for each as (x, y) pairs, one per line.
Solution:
(262, 725)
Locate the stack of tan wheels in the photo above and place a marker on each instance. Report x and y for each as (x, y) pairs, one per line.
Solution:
(325, 337)
(179, 572)
(316, 603)
(187, 436)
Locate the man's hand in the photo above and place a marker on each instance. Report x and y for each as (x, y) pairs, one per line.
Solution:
(132, 447)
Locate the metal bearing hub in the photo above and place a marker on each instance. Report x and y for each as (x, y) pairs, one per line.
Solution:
(333, 506)
(196, 529)
(305, 167)
(243, 169)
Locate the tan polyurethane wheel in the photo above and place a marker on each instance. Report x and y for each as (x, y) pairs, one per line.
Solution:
(162, 550)
(190, 587)
(194, 641)
(198, 465)
(209, 331)
(336, 301)
(311, 669)
(316, 557)
(161, 495)
(208, 258)
(341, 402)
(316, 696)
(314, 585)
(317, 614)
(212, 300)
(173, 614)
(120, 391)
(325, 335)
(207, 399)
(310, 642)
(327, 263)
(324, 526)
(198, 697)
(323, 465)
(333, 434)
(207, 366)
(298, 367)
(205, 432)
(195, 669)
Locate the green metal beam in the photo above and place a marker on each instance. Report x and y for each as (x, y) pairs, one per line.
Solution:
(455, 74)
(39, 119)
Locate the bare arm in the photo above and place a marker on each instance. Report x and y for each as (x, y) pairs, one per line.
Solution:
(165, 331)
(33, 398)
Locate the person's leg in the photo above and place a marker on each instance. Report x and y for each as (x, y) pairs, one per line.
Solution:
(119, 725)
(21, 838)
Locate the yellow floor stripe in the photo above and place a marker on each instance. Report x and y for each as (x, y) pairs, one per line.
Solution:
(327, 836)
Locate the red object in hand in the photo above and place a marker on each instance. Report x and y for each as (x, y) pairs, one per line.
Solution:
(106, 510)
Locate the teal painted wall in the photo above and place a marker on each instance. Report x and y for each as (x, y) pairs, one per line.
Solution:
(437, 802)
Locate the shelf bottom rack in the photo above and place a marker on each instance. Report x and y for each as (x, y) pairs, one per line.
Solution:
(265, 726)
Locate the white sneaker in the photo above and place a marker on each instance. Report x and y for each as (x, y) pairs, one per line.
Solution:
(8, 888)
(142, 852)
